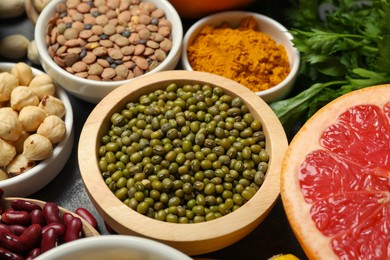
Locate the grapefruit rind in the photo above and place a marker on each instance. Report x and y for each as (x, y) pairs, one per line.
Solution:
(313, 242)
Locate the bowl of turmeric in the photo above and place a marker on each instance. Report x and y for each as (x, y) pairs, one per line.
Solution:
(249, 48)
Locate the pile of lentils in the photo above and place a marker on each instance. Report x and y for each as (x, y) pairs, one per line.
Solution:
(185, 154)
(108, 40)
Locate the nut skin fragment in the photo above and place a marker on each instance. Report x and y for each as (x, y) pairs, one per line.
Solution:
(53, 127)
(10, 126)
(52, 106)
(23, 72)
(31, 117)
(7, 153)
(23, 96)
(8, 82)
(37, 148)
(42, 85)
(19, 165)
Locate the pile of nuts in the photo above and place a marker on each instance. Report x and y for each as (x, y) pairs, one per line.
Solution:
(30, 119)
(108, 40)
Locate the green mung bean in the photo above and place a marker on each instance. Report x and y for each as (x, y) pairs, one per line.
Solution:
(185, 154)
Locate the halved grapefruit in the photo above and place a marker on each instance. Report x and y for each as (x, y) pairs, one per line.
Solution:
(335, 183)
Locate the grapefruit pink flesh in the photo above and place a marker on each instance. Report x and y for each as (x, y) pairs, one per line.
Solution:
(347, 183)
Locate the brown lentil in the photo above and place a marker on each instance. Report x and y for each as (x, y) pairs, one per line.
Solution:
(108, 40)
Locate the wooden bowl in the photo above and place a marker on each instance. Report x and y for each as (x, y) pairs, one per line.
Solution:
(194, 238)
(88, 230)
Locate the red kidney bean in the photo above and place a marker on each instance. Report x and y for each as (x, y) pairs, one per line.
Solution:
(33, 253)
(66, 218)
(31, 236)
(49, 239)
(109, 228)
(37, 217)
(11, 242)
(51, 212)
(17, 229)
(58, 226)
(5, 228)
(23, 205)
(85, 214)
(15, 217)
(73, 230)
(9, 255)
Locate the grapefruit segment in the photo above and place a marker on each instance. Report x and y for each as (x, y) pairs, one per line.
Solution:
(361, 135)
(336, 178)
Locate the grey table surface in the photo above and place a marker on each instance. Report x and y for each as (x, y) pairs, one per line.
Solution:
(273, 236)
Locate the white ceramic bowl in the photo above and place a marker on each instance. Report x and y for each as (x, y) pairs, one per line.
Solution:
(91, 90)
(266, 25)
(113, 247)
(45, 171)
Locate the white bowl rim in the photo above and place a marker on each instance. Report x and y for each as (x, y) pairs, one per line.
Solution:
(45, 16)
(122, 241)
(58, 148)
(205, 20)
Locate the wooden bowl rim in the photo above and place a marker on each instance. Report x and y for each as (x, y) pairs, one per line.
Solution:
(120, 217)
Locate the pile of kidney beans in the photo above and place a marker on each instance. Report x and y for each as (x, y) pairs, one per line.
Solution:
(28, 230)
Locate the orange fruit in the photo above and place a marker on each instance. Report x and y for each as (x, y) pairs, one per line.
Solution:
(335, 184)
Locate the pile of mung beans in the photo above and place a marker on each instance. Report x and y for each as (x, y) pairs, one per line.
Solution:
(184, 154)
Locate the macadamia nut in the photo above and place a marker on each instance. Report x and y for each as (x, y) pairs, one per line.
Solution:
(53, 106)
(10, 126)
(8, 82)
(37, 147)
(42, 85)
(53, 127)
(23, 96)
(7, 153)
(23, 72)
(31, 117)
(19, 165)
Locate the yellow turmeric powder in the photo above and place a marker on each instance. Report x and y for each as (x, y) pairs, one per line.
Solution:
(245, 55)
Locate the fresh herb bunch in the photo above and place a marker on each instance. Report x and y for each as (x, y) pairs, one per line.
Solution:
(344, 46)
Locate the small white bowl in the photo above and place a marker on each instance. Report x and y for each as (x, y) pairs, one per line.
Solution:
(113, 247)
(266, 25)
(45, 171)
(91, 90)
